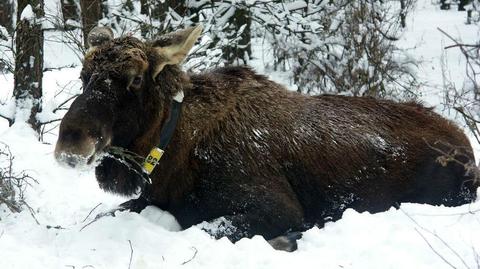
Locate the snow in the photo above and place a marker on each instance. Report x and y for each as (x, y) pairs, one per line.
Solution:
(65, 201)
(27, 13)
(295, 5)
(425, 42)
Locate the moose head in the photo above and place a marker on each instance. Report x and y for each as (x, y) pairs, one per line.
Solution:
(124, 92)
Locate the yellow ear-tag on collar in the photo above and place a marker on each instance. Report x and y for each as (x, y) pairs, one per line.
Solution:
(152, 160)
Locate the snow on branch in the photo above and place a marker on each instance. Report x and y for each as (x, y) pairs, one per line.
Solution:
(466, 99)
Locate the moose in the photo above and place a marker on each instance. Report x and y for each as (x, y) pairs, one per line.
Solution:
(244, 153)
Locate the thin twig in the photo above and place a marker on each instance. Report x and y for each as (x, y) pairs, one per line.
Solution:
(453, 154)
(91, 212)
(49, 121)
(193, 257)
(32, 212)
(95, 219)
(10, 205)
(462, 45)
(477, 257)
(472, 212)
(439, 238)
(433, 249)
(58, 227)
(131, 254)
(99, 216)
(10, 121)
(64, 102)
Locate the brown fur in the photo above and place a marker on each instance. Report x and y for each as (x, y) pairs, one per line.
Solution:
(266, 159)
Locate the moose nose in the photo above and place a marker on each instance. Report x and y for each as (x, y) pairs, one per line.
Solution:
(74, 147)
(71, 160)
(71, 135)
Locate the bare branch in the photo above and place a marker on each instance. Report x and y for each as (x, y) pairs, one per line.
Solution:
(91, 212)
(99, 216)
(193, 257)
(10, 121)
(13, 184)
(434, 250)
(60, 106)
(131, 254)
(438, 238)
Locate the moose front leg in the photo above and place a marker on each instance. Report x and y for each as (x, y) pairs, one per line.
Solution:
(135, 205)
(120, 176)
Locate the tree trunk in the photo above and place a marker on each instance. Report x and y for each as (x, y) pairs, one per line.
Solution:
(161, 8)
(29, 58)
(444, 4)
(69, 12)
(462, 4)
(6, 15)
(91, 14)
(241, 51)
(469, 16)
(144, 10)
(403, 12)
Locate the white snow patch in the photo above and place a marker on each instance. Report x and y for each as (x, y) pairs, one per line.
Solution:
(67, 200)
(27, 14)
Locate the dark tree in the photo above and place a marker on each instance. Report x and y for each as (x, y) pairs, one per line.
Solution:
(242, 50)
(29, 58)
(403, 15)
(160, 9)
(70, 11)
(91, 14)
(444, 4)
(144, 10)
(462, 4)
(6, 15)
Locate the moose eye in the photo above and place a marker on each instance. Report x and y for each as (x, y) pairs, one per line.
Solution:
(136, 82)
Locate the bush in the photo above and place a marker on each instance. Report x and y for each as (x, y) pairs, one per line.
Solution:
(347, 47)
(465, 100)
(12, 184)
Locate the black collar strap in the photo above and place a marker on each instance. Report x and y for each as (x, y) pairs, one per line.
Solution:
(165, 135)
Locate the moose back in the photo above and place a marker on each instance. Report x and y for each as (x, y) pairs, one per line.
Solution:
(246, 153)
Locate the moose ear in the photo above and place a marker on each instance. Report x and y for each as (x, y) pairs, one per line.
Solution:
(173, 48)
(99, 35)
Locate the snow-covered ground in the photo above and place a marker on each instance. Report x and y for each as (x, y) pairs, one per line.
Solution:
(65, 201)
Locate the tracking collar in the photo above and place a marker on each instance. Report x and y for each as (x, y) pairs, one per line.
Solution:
(165, 135)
